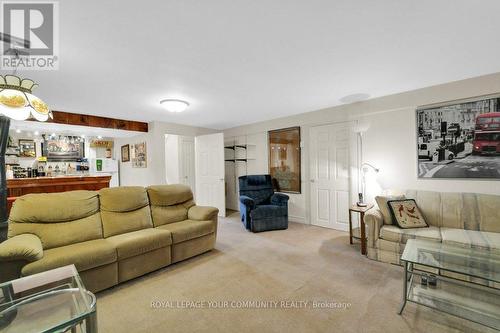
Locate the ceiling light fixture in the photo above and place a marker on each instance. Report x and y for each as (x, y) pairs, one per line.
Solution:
(17, 102)
(174, 105)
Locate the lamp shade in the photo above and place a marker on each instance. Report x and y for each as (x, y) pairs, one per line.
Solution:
(17, 101)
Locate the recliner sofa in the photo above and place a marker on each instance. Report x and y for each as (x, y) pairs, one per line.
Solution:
(111, 236)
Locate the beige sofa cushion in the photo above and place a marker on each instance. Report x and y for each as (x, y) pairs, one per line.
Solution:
(124, 209)
(168, 195)
(489, 212)
(471, 238)
(394, 234)
(138, 242)
(58, 219)
(384, 207)
(189, 229)
(169, 203)
(84, 256)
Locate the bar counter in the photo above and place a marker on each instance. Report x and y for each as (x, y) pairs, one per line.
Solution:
(21, 186)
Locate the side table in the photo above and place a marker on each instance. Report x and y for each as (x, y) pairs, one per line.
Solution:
(361, 233)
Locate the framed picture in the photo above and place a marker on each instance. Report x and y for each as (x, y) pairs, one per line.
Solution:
(139, 155)
(126, 153)
(284, 159)
(27, 148)
(459, 140)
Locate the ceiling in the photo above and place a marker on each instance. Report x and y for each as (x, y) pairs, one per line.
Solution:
(243, 61)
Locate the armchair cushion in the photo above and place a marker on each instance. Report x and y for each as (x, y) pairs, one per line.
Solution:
(202, 213)
(27, 247)
(257, 187)
(268, 211)
(279, 199)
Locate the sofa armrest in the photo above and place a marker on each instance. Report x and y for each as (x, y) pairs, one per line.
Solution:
(202, 213)
(247, 201)
(16, 252)
(374, 221)
(24, 247)
(279, 199)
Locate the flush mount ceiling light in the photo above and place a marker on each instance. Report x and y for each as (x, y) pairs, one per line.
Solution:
(174, 105)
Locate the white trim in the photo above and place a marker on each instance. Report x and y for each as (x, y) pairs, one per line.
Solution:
(298, 219)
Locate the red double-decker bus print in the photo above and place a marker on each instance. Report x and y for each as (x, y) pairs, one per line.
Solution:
(487, 134)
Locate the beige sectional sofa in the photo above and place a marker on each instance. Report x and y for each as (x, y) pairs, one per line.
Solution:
(463, 219)
(111, 236)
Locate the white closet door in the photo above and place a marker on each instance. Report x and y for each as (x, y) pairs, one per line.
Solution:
(329, 171)
(209, 170)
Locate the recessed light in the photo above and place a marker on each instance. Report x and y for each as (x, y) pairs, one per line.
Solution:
(36, 133)
(174, 105)
(99, 137)
(18, 130)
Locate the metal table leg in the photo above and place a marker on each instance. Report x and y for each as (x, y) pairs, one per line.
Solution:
(405, 288)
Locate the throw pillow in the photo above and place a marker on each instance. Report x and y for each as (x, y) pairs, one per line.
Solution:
(406, 214)
(384, 207)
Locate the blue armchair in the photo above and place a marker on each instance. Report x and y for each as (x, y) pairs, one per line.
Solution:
(260, 208)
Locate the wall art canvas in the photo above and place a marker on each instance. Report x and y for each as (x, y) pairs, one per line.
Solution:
(139, 155)
(460, 140)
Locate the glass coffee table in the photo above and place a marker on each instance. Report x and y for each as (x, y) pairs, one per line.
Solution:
(466, 280)
(51, 301)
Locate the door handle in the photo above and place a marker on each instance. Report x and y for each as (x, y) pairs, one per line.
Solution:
(221, 179)
(312, 180)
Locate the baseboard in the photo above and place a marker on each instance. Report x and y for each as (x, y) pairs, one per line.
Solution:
(297, 219)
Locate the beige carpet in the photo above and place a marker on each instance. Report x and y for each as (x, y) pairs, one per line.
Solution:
(304, 263)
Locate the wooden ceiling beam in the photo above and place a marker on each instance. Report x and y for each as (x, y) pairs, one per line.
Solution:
(68, 118)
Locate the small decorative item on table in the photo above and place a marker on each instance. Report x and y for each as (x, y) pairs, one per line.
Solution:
(358, 233)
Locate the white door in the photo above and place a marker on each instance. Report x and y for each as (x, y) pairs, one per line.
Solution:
(186, 162)
(329, 172)
(209, 170)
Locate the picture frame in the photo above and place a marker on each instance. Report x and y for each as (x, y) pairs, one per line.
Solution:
(27, 148)
(125, 153)
(459, 139)
(285, 159)
(139, 155)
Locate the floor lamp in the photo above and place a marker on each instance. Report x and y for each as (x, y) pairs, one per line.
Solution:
(16, 102)
(363, 169)
(4, 138)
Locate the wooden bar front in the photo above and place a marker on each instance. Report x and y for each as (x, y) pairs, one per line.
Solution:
(22, 186)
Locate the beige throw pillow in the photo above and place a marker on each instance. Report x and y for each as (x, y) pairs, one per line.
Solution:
(384, 207)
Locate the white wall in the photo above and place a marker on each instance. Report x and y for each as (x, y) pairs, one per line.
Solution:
(172, 158)
(155, 172)
(390, 142)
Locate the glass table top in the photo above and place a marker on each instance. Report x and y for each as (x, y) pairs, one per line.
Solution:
(480, 263)
(45, 302)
